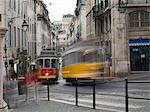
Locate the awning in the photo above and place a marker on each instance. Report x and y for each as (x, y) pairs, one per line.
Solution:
(139, 42)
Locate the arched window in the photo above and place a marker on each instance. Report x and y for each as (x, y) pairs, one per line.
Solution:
(139, 19)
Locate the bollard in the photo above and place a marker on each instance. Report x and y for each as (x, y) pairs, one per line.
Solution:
(76, 92)
(126, 96)
(36, 90)
(48, 95)
(93, 93)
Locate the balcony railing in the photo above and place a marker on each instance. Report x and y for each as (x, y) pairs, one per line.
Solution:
(138, 1)
(101, 8)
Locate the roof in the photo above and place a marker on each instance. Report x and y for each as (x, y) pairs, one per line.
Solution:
(48, 53)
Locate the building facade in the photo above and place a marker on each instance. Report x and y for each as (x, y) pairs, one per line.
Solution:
(62, 29)
(71, 32)
(54, 37)
(60, 35)
(24, 45)
(44, 28)
(81, 19)
(122, 28)
(90, 23)
(17, 42)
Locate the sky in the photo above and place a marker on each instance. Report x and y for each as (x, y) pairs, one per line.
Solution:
(57, 8)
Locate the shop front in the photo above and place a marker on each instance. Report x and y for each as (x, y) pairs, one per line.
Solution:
(140, 54)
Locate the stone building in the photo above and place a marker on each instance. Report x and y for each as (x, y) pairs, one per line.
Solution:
(44, 29)
(61, 28)
(53, 39)
(19, 18)
(60, 35)
(90, 23)
(71, 32)
(122, 28)
(81, 20)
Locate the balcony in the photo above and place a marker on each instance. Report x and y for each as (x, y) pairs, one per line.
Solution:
(100, 9)
(136, 3)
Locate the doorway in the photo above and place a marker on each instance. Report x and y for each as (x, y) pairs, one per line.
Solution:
(140, 58)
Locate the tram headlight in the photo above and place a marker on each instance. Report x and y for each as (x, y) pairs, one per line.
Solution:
(46, 74)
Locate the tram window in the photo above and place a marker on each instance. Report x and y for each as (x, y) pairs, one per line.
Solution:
(40, 62)
(53, 63)
(47, 62)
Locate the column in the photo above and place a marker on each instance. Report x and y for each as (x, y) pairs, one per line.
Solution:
(3, 105)
(119, 39)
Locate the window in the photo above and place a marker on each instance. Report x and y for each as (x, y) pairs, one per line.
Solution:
(109, 22)
(139, 19)
(22, 40)
(102, 25)
(106, 3)
(18, 6)
(47, 62)
(10, 38)
(15, 5)
(40, 63)
(15, 36)
(145, 18)
(106, 20)
(10, 3)
(18, 37)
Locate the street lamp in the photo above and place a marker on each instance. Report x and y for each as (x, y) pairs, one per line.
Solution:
(6, 64)
(25, 27)
(24, 24)
(122, 6)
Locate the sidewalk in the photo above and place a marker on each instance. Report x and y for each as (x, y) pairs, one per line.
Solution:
(50, 106)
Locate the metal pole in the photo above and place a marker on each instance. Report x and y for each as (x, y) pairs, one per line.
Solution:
(6, 70)
(126, 96)
(36, 94)
(93, 93)
(76, 92)
(26, 90)
(48, 91)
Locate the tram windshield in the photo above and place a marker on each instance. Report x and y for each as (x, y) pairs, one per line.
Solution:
(54, 63)
(47, 63)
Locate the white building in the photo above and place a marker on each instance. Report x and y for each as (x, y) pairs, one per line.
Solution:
(18, 40)
(43, 25)
(60, 34)
(54, 39)
(71, 32)
(81, 20)
(61, 28)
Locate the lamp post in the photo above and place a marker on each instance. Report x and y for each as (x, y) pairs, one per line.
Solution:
(3, 105)
(22, 58)
(6, 64)
(25, 27)
(24, 24)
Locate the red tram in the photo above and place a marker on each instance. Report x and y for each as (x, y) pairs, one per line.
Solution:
(47, 66)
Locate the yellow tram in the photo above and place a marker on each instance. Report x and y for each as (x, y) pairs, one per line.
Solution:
(83, 60)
